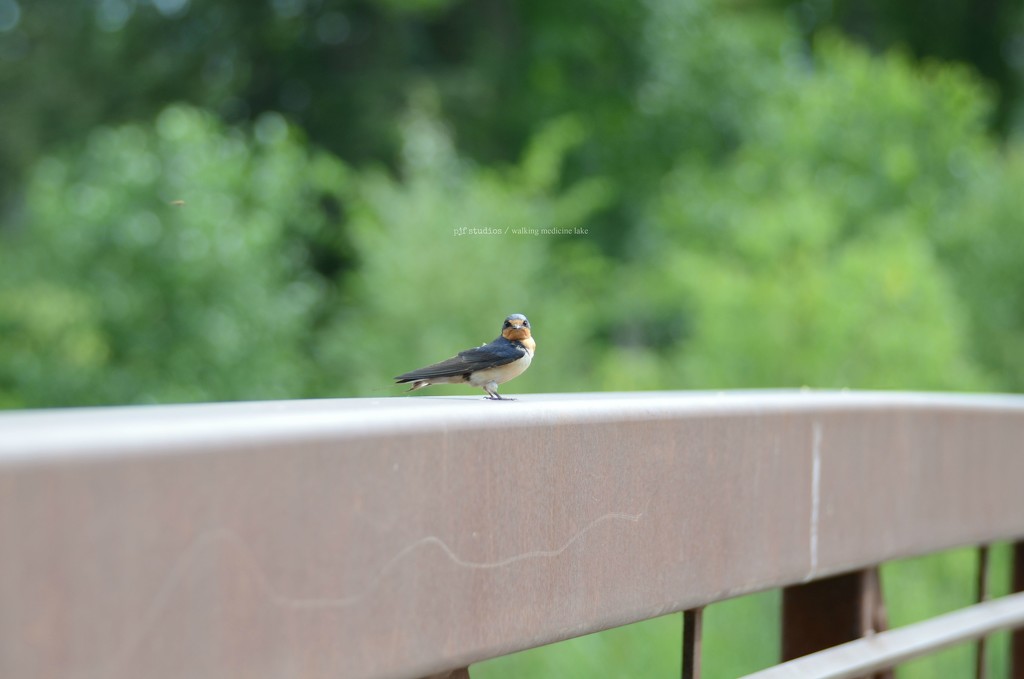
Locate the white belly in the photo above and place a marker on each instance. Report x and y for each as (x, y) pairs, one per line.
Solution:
(503, 373)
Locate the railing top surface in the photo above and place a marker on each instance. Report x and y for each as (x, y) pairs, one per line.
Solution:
(398, 537)
(30, 435)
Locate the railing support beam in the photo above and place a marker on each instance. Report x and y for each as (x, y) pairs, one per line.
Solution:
(693, 624)
(832, 611)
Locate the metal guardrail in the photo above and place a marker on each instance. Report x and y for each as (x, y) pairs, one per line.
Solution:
(409, 536)
(885, 649)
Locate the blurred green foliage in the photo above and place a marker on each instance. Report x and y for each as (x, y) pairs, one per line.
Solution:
(241, 200)
(168, 263)
(817, 237)
(911, 594)
(815, 226)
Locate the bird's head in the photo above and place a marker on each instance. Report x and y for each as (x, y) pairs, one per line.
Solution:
(516, 327)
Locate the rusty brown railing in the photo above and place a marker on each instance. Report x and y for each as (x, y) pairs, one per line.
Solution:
(410, 537)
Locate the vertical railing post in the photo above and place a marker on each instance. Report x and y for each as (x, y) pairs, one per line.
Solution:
(451, 674)
(693, 624)
(831, 611)
(1017, 638)
(982, 595)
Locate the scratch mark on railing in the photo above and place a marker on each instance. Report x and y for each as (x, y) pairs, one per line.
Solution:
(186, 559)
(815, 497)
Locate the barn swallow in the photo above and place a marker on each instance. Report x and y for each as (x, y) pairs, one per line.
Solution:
(485, 366)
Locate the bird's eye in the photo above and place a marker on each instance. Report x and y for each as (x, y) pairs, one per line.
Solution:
(526, 324)
(507, 325)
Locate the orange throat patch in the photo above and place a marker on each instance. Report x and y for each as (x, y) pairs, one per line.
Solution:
(514, 334)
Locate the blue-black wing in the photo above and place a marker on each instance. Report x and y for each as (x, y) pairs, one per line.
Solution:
(499, 352)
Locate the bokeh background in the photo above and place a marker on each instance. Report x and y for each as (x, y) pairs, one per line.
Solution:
(254, 199)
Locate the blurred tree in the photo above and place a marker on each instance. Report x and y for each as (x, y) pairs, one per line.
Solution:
(649, 80)
(186, 262)
(812, 255)
(341, 70)
(981, 239)
(170, 263)
(987, 34)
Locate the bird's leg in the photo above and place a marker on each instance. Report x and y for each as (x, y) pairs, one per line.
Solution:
(492, 389)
